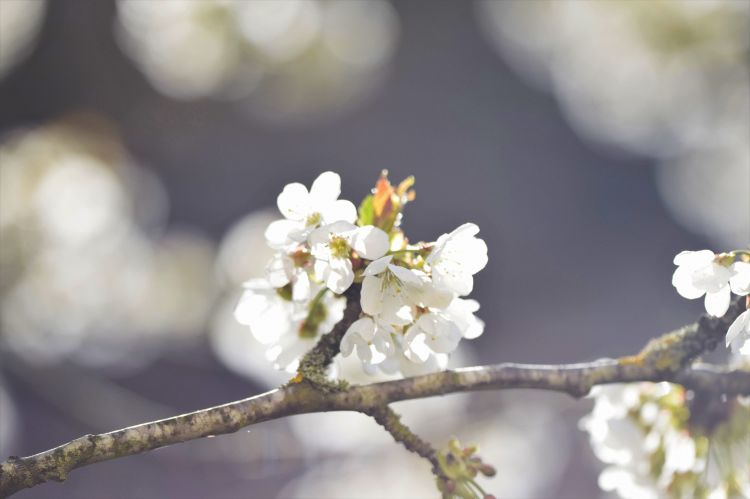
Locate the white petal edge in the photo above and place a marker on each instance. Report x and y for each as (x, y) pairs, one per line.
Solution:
(717, 302)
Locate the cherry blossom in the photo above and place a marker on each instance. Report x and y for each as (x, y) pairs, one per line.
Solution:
(332, 246)
(646, 435)
(304, 211)
(702, 273)
(287, 328)
(412, 318)
(371, 339)
(385, 291)
(456, 257)
(432, 333)
(282, 270)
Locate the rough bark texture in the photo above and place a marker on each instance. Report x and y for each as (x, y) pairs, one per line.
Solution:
(667, 358)
(314, 364)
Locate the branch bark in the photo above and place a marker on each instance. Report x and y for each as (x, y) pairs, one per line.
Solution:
(664, 359)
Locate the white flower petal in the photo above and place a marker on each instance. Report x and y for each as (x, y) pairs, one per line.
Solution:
(319, 236)
(325, 189)
(394, 309)
(294, 201)
(442, 335)
(301, 290)
(417, 350)
(370, 242)
(427, 294)
(477, 248)
(738, 335)
(717, 302)
(456, 257)
(465, 230)
(340, 275)
(740, 281)
(371, 296)
(682, 280)
(378, 266)
(342, 228)
(694, 258)
(405, 275)
(278, 270)
(454, 279)
(341, 210)
(461, 313)
(321, 270)
(278, 234)
(444, 343)
(355, 334)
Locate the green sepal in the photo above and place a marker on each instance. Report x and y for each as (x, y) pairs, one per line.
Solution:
(366, 212)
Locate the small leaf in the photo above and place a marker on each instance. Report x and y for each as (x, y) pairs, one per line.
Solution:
(366, 212)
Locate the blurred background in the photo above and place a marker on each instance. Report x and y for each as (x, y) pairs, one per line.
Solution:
(143, 143)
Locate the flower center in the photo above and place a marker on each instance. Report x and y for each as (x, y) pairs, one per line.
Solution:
(313, 219)
(339, 247)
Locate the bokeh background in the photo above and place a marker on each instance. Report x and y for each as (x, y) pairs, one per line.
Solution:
(144, 143)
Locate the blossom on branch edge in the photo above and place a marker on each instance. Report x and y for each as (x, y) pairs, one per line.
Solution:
(413, 316)
(717, 276)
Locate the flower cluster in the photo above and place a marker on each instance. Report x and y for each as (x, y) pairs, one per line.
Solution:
(702, 273)
(661, 441)
(413, 315)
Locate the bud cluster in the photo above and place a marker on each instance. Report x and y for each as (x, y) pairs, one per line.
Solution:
(459, 468)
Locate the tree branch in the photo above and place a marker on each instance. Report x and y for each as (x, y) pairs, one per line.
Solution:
(391, 421)
(663, 359)
(314, 364)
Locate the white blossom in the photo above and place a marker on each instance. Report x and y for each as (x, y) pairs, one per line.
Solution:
(371, 339)
(461, 313)
(699, 273)
(268, 315)
(738, 335)
(304, 211)
(412, 317)
(456, 257)
(282, 270)
(385, 291)
(440, 330)
(740, 281)
(643, 433)
(287, 328)
(332, 246)
(432, 332)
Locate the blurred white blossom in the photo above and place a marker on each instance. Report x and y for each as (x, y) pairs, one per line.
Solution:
(514, 439)
(667, 78)
(20, 22)
(9, 423)
(88, 272)
(292, 60)
(656, 443)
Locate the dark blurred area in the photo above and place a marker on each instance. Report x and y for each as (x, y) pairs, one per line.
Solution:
(134, 194)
